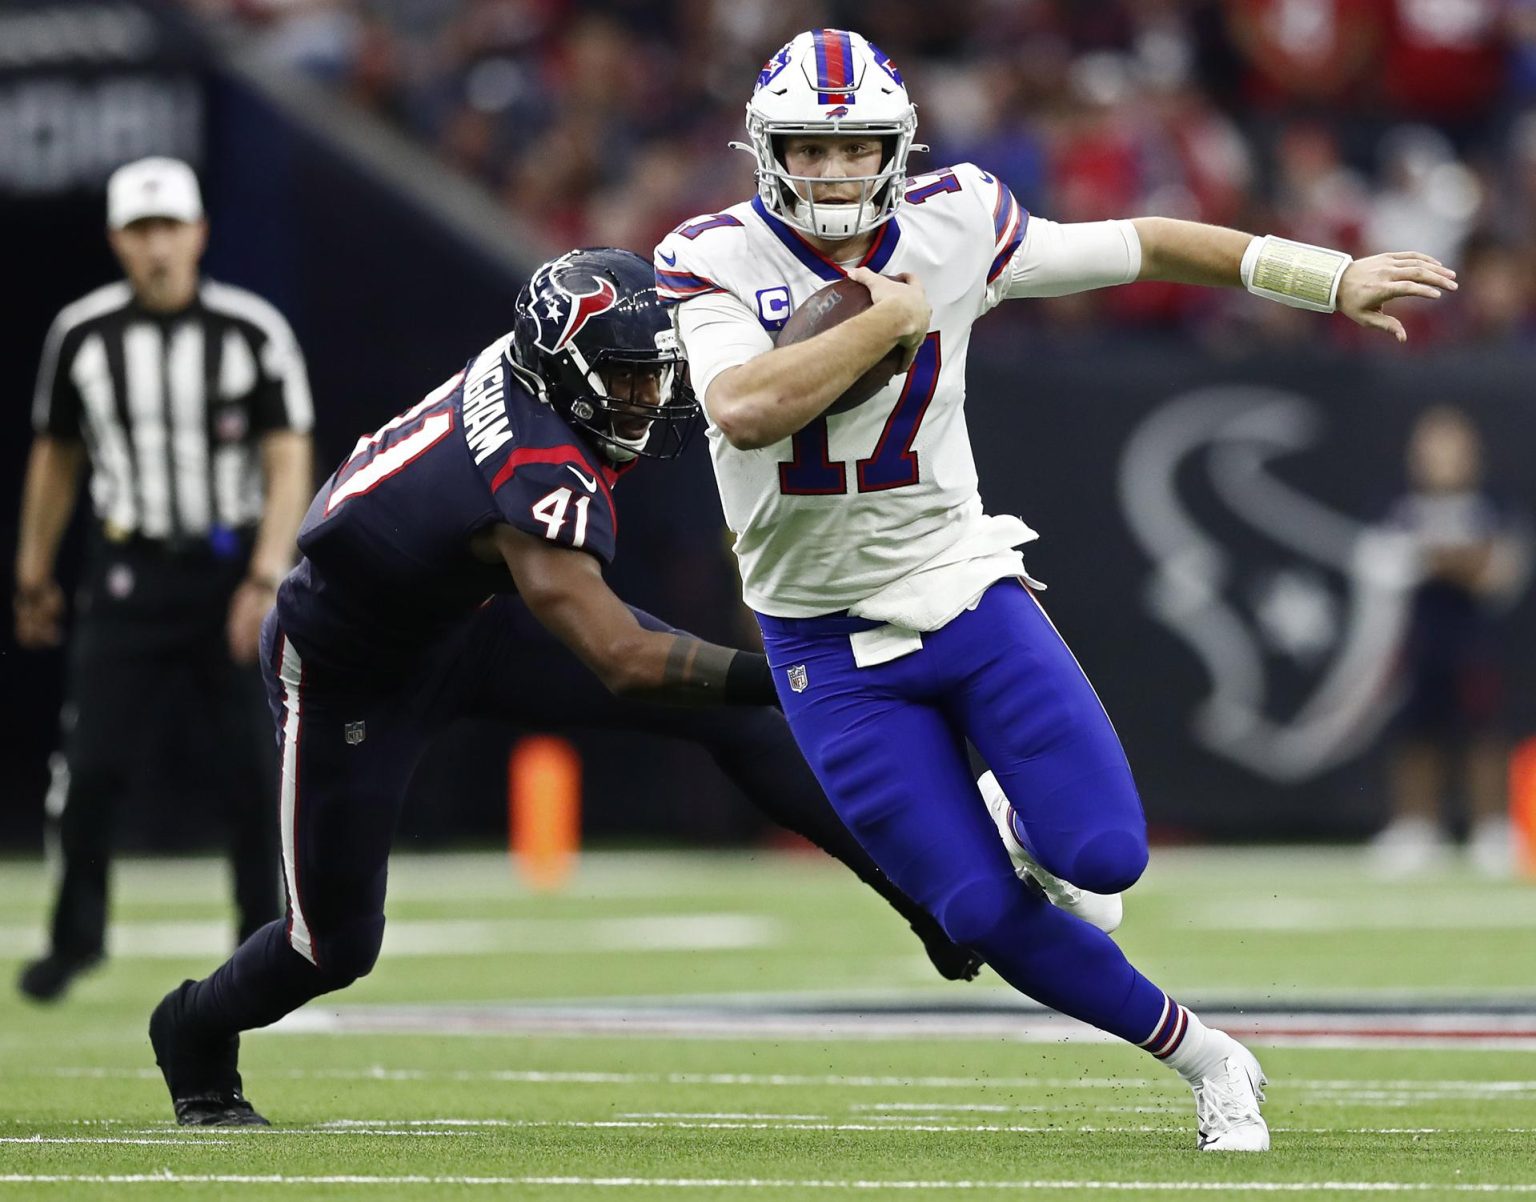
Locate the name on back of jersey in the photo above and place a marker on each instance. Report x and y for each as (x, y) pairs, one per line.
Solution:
(485, 412)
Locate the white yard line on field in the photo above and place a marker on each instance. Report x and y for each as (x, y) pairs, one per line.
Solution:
(1094, 1186)
(793, 1019)
(1429, 1087)
(457, 937)
(914, 1125)
(194, 1142)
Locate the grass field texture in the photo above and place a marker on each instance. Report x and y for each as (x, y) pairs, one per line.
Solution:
(761, 1027)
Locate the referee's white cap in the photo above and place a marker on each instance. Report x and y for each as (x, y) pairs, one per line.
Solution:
(154, 187)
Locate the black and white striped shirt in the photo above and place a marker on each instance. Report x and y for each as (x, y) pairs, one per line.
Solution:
(172, 406)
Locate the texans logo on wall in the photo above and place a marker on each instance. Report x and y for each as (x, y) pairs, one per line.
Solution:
(1293, 609)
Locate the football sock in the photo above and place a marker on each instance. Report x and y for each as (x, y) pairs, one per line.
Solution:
(1182, 1042)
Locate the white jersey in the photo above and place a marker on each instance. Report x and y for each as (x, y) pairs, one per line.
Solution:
(876, 510)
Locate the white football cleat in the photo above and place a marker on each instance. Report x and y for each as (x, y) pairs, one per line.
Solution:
(1103, 910)
(1227, 1102)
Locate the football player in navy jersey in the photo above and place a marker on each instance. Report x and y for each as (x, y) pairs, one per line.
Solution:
(445, 563)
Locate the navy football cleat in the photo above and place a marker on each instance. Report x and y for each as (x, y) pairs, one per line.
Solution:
(221, 1109)
(199, 1069)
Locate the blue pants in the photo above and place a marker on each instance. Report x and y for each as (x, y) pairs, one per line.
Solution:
(888, 743)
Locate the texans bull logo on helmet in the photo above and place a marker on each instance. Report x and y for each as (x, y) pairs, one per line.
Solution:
(582, 308)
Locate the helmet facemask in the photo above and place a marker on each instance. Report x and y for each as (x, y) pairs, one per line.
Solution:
(593, 340)
(633, 403)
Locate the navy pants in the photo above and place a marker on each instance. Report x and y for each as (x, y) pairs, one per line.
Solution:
(889, 745)
(350, 744)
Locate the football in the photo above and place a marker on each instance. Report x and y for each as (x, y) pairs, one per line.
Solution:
(831, 306)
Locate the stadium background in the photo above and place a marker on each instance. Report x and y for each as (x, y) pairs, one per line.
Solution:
(386, 173)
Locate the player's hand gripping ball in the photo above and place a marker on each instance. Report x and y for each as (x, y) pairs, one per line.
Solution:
(831, 306)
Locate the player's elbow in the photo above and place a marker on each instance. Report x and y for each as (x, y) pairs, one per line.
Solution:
(740, 415)
(618, 664)
(746, 436)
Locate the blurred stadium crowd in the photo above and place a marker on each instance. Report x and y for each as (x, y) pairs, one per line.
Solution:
(1362, 124)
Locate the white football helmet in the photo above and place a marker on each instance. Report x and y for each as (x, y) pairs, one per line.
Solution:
(830, 81)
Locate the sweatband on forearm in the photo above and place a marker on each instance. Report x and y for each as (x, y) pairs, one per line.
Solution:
(1294, 273)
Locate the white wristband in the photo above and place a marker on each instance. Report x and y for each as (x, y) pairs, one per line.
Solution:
(1294, 273)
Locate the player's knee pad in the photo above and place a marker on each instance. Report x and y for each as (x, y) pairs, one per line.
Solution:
(973, 913)
(1109, 861)
(350, 951)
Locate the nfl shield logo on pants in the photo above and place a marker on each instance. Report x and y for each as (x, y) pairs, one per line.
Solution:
(798, 679)
(354, 733)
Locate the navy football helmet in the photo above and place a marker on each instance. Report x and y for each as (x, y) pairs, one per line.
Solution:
(595, 342)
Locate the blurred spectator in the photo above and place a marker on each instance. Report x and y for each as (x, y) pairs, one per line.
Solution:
(1467, 557)
(1444, 60)
(1496, 278)
(1429, 198)
(1316, 54)
(1318, 198)
(1366, 124)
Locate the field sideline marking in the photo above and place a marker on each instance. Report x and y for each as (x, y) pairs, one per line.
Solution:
(1514, 1031)
(425, 1128)
(542, 1077)
(104, 1139)
(765, 1183)
(179, 939)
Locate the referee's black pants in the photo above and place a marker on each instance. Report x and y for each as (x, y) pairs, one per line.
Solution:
(151, 689)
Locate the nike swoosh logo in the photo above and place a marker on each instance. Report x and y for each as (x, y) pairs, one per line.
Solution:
(587, 482)
(669, 260)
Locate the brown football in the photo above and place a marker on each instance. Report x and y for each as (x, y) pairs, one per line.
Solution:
(830, 306)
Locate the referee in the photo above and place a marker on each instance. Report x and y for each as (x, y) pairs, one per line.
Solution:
(190, 401)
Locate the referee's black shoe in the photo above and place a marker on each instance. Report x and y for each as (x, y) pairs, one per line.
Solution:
(46, 979)
(199, 1069)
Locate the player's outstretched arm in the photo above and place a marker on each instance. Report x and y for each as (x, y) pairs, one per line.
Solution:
(1293, 273)
(765, 400)
(565, 590)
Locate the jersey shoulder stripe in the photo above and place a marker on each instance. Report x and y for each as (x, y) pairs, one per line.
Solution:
(231, 301)
(541, 451)
(674, 286)
(1010, 220)
(682, 261)
(94, 304)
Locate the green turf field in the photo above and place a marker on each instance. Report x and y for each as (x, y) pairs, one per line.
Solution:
(722, 1027)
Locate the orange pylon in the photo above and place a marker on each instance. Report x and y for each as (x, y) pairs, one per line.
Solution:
(544, 810)
(1522, 803)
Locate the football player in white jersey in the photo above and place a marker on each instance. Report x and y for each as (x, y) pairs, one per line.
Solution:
(896, 613)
